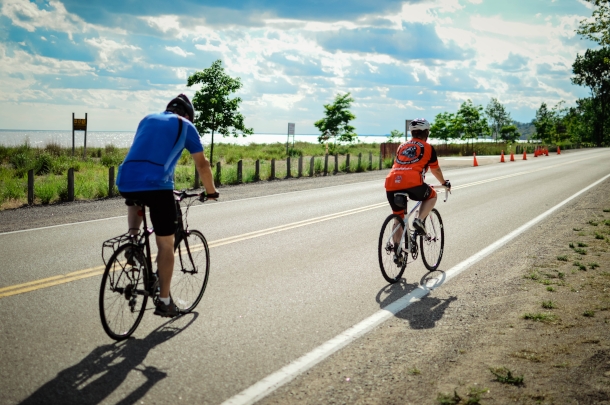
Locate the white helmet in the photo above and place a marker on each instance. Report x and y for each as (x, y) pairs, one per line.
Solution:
(419, 124)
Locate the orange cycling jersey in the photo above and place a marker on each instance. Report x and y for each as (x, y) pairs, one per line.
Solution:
(412, 161)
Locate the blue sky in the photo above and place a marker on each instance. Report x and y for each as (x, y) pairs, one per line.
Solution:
(120, 60)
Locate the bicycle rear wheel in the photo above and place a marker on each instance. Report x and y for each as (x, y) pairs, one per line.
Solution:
(191, 270)
(123, 294)
(392, 260)
(433, 242)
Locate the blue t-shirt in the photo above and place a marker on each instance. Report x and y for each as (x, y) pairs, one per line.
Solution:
(155, 151)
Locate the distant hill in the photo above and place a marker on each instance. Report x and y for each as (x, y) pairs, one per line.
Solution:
(525, 129)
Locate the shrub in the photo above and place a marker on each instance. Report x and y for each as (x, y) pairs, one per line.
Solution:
(44, 164)
(112, 159)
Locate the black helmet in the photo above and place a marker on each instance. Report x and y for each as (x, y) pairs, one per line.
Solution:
(182, 106)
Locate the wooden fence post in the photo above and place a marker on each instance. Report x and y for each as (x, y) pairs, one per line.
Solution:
(111, 181)
(336, 163)
(300, 171)
(288, 171)
(272, 177)
(218, 175)
(360, 161)
(380, 162)
(326, 164)
(239, 172)
(257, 170)
(70, 184)
(370, 160)
(196, 183)
(347, 164)
(31, 187)
(311, 166)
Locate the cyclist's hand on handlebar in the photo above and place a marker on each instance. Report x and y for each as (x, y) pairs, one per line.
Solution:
(210, 196)
(447, 184)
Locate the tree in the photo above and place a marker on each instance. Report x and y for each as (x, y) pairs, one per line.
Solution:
(471, 124)
(498, 116)
(444, 127)
(598, 29)
(214, 110)
(336, 124)
(395, 136)
(509, 133)
(593, 70)
(544, 123)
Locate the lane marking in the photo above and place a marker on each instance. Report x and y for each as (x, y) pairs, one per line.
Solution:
(98, 270)
(226, 202)
(287, 373)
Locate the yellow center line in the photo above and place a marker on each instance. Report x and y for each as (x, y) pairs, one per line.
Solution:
(98, 270)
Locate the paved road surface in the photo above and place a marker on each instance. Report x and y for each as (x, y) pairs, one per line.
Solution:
(270, 300)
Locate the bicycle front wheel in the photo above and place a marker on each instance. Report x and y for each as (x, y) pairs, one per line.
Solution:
(191, 270)
(433, 242)
(392, 259)
(123, 294)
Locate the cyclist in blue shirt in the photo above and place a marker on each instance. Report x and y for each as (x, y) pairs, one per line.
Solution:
(147, 175)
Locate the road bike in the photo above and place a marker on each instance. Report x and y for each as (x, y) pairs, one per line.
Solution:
(397, 242)
(129, 279)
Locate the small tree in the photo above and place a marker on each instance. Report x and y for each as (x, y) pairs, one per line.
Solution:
(544, 123)
(336, 124)
(473, 125)
(395, 136)
(215, 111)
(597, 29)
(509, 133)
(498, 116)
(444, 127)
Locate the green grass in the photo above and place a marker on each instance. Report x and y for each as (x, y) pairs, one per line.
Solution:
(548, 304)
(580, 251)
(588, 314)
(540, 317)
(550, 289)
(563, 258)
(505, 376)
(582, 244)
(593, 222)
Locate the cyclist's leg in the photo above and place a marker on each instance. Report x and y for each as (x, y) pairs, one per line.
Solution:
(425, 194)
(134, 220)
(400, 211)
(165, 262)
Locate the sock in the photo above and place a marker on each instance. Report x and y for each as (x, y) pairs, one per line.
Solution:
(166, 301)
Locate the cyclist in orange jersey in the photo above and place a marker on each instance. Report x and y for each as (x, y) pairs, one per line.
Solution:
(413, 159)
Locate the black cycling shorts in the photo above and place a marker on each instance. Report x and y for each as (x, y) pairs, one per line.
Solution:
(417, 193)
(162, 208)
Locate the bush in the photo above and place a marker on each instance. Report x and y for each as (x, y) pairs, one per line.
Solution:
(112, 159)
(44, 164)
(21, 161)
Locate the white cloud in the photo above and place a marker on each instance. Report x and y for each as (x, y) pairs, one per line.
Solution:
(178, 51)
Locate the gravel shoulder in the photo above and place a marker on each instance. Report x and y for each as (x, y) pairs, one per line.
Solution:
(538, 309)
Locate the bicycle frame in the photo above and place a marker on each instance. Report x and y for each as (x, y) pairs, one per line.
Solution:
(407, 228)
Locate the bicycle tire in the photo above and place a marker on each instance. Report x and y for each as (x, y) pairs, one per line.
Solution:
(433, 242)
(392, 266)
(191, 270)
(123, 290)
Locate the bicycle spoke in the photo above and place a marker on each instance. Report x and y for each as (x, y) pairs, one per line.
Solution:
(392, 259)
(191, 271)
(432, 243)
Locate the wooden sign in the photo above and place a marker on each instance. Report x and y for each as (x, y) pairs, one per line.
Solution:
(79, 124)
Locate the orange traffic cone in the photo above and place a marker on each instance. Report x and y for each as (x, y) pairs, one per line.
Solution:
(502, 157)
(524, 154)
(558, 150)
(546, 151)
(512, 157)
(475, 164)
(536, 152)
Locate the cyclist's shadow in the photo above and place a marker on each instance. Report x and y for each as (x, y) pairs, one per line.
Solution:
(422, 314)
(99, 374)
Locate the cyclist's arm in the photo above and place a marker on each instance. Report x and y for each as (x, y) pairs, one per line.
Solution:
(205, 172)
(438, 173)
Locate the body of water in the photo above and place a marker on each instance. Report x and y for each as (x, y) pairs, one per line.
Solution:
(123, 139)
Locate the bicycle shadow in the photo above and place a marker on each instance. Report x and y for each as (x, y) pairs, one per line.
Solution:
(103, 370)
(424, 313)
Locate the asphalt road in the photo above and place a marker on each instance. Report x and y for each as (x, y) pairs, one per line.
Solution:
(271, 298)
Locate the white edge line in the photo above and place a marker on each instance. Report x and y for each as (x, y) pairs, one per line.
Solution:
(287, 373)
